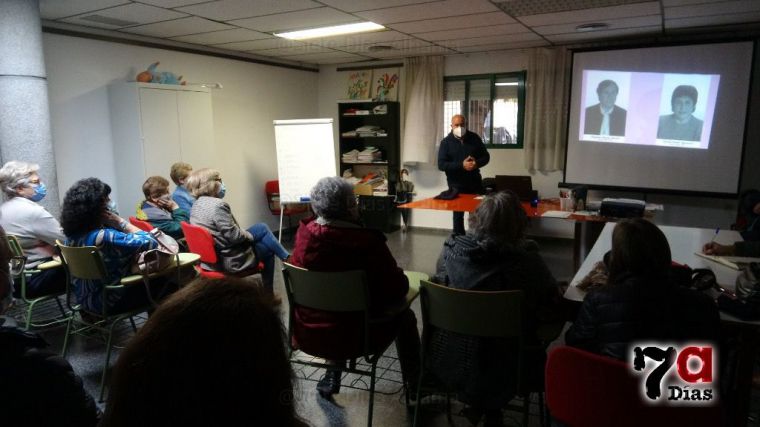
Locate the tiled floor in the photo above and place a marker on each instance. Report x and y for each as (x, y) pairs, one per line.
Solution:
(416, 250)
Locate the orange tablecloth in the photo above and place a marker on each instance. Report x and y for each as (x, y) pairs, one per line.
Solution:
(468, 203)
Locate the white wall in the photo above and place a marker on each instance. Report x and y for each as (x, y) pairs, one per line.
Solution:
(80, 70)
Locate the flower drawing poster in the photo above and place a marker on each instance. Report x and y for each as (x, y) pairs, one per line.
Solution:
(385, 83)
(359, 84)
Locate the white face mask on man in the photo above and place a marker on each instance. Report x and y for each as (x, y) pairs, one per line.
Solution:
(459, 131)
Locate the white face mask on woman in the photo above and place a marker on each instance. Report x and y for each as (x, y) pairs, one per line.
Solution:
(459, 131)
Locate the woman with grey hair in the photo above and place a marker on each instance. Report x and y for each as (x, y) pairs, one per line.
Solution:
(336, 241)
(333, 198)
(35, 228)
(493, 256)
(239, 249)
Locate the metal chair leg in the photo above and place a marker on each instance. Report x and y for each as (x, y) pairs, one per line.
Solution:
(66, 337)
(60, 307)
(104, 376)
(28, 317)
(448, 408)
(371, 395)
(417, 405)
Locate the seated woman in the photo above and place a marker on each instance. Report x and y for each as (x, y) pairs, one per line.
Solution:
(493, 256)
(640, 301)
(88, 221)
(34, 227)
(159, 209)
(178, 174)
(335, 241)
(213, 354)
(238, 249)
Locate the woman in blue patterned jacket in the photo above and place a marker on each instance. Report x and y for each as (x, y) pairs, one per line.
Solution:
(87, 221)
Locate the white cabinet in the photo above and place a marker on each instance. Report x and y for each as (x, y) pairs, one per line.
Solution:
(154, 126)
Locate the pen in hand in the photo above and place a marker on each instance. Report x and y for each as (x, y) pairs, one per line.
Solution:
(717, 230)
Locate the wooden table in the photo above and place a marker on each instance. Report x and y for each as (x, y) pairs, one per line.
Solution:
(586, 230)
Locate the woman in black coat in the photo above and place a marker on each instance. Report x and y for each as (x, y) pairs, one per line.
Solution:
(493, 256)
(641, 303)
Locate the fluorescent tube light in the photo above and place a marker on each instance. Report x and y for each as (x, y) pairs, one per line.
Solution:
(506, 84)
(334, 30)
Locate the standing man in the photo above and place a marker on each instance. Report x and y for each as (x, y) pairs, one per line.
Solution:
(461, 155)
(605, 118)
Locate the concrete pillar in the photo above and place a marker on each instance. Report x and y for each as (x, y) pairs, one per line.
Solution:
(24, 110)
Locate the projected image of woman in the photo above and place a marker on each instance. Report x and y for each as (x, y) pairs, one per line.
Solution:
(605, 118)
(681, 125)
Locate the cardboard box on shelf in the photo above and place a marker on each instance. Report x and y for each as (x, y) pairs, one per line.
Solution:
(363, 190)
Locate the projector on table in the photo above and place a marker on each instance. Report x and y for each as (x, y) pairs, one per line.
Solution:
(622, 208)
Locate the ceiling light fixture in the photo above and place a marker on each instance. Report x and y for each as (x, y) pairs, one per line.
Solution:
(593, 26)
(334, 30)
(506, 84)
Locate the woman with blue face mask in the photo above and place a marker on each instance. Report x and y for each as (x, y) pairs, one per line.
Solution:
(34, 227)
(239, 250)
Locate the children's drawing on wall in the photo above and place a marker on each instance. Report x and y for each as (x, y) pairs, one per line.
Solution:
(386, 84)
(359, 84)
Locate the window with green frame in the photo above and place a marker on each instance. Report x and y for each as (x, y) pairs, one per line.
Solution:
(485, 99)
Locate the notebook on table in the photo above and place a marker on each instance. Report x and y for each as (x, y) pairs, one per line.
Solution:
(735, 262)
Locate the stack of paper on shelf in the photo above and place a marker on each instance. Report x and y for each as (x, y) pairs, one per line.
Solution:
(370, 154)
(350, 156)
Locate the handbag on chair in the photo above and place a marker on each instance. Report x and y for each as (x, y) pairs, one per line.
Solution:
(154, 260)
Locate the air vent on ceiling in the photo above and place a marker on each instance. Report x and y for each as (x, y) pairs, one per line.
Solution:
(108, 21)
(379, 48)
(593, 26)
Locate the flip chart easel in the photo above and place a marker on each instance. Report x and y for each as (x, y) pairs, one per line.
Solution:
(305, 154)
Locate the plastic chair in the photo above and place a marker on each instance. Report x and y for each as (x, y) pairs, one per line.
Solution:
(86, 263)
(344, 291)
(142, 225)
(21, 275)
(199, 241)
(272, 190)
(485, 314)
(586, 389)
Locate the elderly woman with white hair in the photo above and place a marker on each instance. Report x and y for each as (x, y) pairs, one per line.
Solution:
(35, 228)
(336, 241)
(239, 249)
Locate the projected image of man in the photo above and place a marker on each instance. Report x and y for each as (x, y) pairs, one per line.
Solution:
(681, 125)
(605, 118)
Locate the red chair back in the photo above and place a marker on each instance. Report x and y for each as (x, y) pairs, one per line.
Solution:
(199, 241)
(586, 389)
(142, 225)
(272, 190)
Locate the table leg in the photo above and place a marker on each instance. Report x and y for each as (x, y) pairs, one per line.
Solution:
(586, 233)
